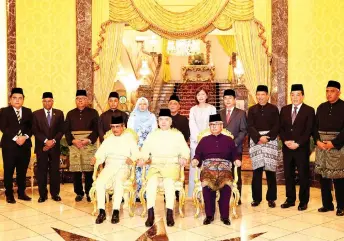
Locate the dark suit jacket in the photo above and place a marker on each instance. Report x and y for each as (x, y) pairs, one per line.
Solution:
(42, 131)
(301, 130)
(237, 126)
(10, 126)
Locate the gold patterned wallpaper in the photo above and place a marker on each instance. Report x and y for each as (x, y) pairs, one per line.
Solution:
(46, 51)
(316, 46)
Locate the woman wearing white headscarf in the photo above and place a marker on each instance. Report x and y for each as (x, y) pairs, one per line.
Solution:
(143, 122)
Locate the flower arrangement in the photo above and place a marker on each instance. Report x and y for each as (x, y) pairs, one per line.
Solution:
(198, 59)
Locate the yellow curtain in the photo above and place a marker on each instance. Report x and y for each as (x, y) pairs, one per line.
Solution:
(108, 55)
(194, 23)
(228, 44)
(166, 70)
(100, 14)
(253, 55)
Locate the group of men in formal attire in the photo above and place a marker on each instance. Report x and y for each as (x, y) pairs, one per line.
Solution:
(166, 149)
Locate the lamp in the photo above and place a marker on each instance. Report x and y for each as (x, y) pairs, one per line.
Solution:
(184, 47)
(239, 71)
(144, 70)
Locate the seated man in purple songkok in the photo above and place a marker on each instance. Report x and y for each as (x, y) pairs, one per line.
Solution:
(216, 154)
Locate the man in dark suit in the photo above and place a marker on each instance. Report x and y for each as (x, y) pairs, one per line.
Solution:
(234, 120)
(16, 124)
(296, 126)
(48, 124)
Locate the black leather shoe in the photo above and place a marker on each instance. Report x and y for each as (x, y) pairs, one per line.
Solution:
(255, 203)
(88, 198)
(10, 199)
(115, 217)
(101, 216)
(56, 198)
(208, 220)
(271, 204)
(324, 210)
(24, 197)
(302, 207)
(150, 220)
(78, 198)
(340, 212)
(41, 199)
(226, 221)
(169, 218)
(287, 204)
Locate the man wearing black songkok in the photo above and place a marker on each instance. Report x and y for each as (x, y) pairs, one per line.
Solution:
(296, 127)
(329, 138)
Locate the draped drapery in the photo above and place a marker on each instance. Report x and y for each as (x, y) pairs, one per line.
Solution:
(100, 14)
(166, 70)
(194, 23)
(253, 55)
(228, 44)
(106, 61)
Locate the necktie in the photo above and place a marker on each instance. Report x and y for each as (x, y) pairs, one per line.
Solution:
(19, 119)
(228, 116)
(48, 117)
(293, 115)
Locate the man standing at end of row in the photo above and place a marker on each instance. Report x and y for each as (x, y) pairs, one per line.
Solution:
(296, 127)
(263, 127)
(329, 138)
(81, 134)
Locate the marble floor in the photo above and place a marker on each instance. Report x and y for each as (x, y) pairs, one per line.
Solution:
(32, 221)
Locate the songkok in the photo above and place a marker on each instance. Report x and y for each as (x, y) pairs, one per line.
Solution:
(229, 92)
(262, 88)
(214, 118)
(114, 94)
(297, 87)
(17, 91)
(81, 93)
(333, 83)
(174, 97)
(117, 120)
(47, 95)
(165, 112)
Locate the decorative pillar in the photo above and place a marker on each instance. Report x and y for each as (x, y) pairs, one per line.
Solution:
(11, 45)
(279, 93)
(84, 47)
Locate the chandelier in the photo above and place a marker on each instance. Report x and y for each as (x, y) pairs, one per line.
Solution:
(185, 47)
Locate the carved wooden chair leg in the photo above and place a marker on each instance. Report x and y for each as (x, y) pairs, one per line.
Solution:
(181, 202)
(93, 200)
(143, 201)
(196, 202)
(131, 203)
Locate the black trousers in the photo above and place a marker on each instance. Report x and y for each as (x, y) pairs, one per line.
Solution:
(77, 181)
(17, 158)
(326, 194)
(239, 175)
(48, 162)
(300, 160)
(271, 194)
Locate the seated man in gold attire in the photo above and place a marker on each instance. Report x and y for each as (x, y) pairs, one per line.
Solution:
(165, 149)
(118, 151)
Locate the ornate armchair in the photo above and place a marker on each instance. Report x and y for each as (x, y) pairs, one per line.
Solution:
(197, 195)
(129, 185)
(178, 185)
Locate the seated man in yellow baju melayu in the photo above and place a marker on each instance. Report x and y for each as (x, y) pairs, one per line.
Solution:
(165, 149)
(118, 151)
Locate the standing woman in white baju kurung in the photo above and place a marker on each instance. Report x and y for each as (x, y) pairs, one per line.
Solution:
(143, 122)
(198, 121)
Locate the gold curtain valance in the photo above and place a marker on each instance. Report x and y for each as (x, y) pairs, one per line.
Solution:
(194, 23)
